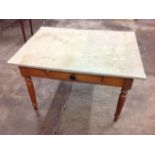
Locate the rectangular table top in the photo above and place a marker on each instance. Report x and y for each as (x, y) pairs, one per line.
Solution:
(96, 52)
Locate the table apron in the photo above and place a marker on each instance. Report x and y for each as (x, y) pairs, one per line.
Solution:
(76, 77)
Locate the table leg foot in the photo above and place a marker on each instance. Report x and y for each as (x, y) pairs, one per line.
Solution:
(115, 119)
(35, 107)
(31, 91)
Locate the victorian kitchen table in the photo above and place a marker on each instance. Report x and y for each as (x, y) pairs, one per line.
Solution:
(94, 56)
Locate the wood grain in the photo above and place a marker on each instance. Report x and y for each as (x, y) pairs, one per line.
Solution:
(110, 81)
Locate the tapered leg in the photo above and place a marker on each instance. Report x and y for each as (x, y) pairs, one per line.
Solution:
(31, 91)
(30, 22)
(120, 103)
(122, 97)
(23, 29)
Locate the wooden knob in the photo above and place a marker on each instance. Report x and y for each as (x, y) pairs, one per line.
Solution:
(72, 77)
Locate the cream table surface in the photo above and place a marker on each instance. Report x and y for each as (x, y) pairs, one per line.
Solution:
(96, 52)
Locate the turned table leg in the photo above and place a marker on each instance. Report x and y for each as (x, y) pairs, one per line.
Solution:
(31, 91)
(127, 84)
(120, 103)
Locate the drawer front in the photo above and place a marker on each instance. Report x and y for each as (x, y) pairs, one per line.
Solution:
(60, 75)
(111, 81)
(57, 75)
(74, 77)
(89, 79)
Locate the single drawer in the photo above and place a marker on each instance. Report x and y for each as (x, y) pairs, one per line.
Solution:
(74, 77)
(57, 75)
(88, 78)
(60, 75)
(112, 81)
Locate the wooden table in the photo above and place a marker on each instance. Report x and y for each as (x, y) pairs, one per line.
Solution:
(93, 56)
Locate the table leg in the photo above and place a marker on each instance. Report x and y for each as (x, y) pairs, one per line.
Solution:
(31, 29)
(31, 91)
(23, 29)
(127, 84)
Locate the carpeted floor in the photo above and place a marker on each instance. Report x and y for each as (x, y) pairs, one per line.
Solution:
(89, 108)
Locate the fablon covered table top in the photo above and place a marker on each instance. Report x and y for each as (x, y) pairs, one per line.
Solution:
(97, 52)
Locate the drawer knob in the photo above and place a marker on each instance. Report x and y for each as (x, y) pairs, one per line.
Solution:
(72, 77)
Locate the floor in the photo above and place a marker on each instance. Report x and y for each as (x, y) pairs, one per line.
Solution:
(89, 108)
